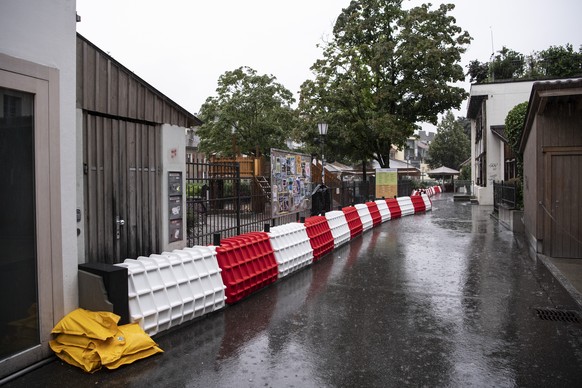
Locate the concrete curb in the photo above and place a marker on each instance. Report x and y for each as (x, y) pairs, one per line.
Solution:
(574, 293)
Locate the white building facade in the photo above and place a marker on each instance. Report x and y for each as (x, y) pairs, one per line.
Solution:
(487, 108)
(38, 259)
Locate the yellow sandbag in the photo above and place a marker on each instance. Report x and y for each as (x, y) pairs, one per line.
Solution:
(86, 359)
(79, 341)
(129, 343)
(109, 350)
(136, 339)
(99, 325)
(128, 359)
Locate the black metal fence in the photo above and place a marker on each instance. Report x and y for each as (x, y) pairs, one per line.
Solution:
(350, 193)
(220, 200)
(505, 195)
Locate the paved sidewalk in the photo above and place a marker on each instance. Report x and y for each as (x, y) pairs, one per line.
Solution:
(446, 298)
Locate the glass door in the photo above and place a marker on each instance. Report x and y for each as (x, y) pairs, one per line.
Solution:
(19, 324)
(26, 247)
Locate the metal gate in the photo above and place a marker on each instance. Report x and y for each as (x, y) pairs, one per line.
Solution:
(121, 190)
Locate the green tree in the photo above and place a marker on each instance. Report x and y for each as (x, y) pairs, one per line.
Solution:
(465, 174)
(250, 112)
(561, 61)
(450, 146)
(385, 69)
(478, 72)
(507, 64)
(514, 122)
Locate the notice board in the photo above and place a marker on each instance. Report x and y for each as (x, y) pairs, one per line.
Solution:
(290, 182)
(386, 182)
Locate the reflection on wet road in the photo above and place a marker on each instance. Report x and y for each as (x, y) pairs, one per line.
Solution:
(437, 299)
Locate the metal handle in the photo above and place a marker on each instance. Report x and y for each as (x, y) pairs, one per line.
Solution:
(118, 224)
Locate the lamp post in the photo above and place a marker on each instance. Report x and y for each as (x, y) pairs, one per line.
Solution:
(322, 132)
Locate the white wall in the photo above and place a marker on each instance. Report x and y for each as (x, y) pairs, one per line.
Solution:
(173, 157)
(501, 98)
(44, 32)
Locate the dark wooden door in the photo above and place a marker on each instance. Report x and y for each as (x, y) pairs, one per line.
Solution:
(122, 196)
(566, 209)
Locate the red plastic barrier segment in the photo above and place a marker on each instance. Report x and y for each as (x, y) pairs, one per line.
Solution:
(354, 221)
(394, 207)
(248, 264)
(418, 204)
(320, 236)
(375, 213)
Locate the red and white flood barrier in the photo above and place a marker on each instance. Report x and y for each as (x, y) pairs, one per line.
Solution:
(374, 213)
(338, 224)
(365, 216)
(248, 264)
(354, 221)
(167, 289)
(291, 246)
(320, 236)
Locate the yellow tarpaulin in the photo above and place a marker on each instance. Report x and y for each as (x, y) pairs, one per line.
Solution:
(90, 340)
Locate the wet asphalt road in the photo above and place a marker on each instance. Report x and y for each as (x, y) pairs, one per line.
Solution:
(442, 299)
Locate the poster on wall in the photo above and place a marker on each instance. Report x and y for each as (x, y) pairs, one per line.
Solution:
(386, 182)
(290, 182)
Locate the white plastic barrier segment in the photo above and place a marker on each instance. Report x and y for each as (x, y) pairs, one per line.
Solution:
(291, 247)
(406, 206)
(208, 281)
(365, 216)
(427, 202)
(384, 210)
(168, 289)
(338, 224)
(148, 301)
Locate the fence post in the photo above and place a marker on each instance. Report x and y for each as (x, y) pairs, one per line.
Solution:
(237, 190)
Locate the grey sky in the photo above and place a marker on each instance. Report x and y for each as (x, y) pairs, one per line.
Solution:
(181, 47)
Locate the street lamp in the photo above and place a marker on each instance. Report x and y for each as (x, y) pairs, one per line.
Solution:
(322, 132)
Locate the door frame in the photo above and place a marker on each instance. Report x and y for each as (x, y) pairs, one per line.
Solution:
(549, 227)
(43, 82)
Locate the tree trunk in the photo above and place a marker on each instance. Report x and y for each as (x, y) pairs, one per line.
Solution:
(364, 170)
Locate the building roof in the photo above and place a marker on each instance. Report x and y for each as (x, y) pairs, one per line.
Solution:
(190, 118)
(541, 93)
(474, 105)
(443, 171)
(426, 136)
(499, 130)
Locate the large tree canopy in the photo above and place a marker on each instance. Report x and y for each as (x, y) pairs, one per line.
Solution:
(385, 70)
(250, 111)
(450, 146)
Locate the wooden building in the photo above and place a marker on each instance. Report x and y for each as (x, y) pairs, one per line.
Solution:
(551, 144)
(121, 120)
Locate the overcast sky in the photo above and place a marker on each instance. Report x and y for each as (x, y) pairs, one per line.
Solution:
(181, 47)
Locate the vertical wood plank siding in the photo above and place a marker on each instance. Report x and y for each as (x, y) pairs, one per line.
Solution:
(105, 86)
(122, 118)
(121, 181)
